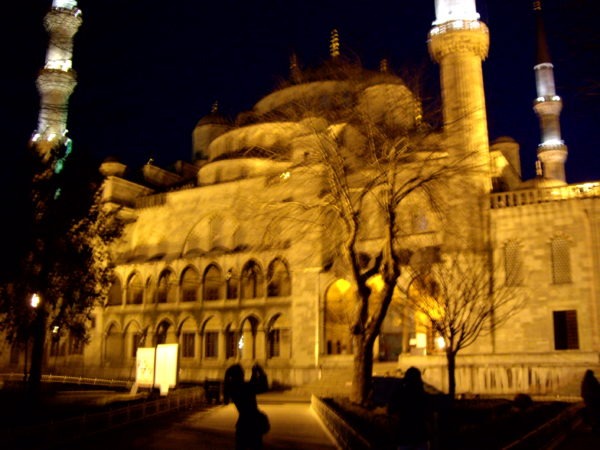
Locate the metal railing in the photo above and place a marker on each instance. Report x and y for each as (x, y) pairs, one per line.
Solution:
(82, 426)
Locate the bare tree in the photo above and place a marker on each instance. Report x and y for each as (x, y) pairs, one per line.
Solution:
(367, 148)
(462, 300)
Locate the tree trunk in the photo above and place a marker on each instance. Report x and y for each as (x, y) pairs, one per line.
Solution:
(451, 359)
(37, 353)
(363, 371)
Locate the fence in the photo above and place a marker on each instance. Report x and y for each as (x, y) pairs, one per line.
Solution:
(62, 431)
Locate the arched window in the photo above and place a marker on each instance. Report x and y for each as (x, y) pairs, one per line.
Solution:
(278, 338)
(338, 315)
(135, 290)
(513, 264)
(164, 334)
(231, 341)
(190, 285)
(210, 337)
(279, 279)
(167, 288)
(231, 282)
(115, 294)
(561, 261)
(213, 283)
(150, 291)
(252, 281)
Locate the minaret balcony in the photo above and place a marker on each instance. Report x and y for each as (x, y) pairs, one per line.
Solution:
(458, 25)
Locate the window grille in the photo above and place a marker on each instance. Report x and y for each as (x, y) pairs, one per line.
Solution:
(561, 261)
(513, 264)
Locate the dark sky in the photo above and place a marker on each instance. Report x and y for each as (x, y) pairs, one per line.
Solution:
(149, 70)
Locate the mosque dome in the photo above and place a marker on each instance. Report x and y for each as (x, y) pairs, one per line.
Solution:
(333, 93)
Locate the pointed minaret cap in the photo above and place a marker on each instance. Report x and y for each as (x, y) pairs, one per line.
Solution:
(543, 54)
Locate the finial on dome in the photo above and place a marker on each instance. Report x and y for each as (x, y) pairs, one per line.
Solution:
(537, 5)
(384, 66)
(294, 69)
(215, 107)
(334, 44)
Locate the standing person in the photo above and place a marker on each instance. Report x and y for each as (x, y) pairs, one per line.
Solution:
(409, 412)
(252, 423)
(590, 392)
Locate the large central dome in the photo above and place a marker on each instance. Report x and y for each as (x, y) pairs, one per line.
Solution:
(337, 93)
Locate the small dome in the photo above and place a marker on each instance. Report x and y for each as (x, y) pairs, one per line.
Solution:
(503, 140)
(213, 118)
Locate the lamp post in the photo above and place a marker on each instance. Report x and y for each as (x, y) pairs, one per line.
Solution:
(34, 302)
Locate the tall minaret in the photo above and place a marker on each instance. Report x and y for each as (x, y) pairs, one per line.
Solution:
(56, 80)
(459, 42)
(552, 151)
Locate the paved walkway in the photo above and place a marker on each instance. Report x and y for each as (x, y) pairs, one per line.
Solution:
(293, 426)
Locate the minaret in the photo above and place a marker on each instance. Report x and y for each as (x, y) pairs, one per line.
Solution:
(56, 80)
(459, 43)
(552, 151)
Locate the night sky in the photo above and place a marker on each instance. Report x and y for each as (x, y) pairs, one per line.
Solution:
(149, 70)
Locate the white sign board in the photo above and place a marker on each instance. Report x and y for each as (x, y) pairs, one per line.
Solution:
(144, 366)
(167, 366)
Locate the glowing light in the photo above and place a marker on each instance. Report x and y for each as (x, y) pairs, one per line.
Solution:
(35, 301)
(55, 329)
(68, 4)
(587, 187)
(440, 343)
(51, 137)
(455, 10)
(421, 340)
(342, 286)
(556, 98)
(241, 342)
(376, 283)
(551, 142)
(35, 137)
(285, 175)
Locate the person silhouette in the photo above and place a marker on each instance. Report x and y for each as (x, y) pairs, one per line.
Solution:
(590, 392)
(409, 409)
(252, 423)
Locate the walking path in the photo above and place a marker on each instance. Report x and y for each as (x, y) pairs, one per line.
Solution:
(293, 426)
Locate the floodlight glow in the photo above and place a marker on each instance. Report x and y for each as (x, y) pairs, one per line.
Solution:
(241, 343)
(35, 301)
(68, 4)
(440, 343)
(454, 10)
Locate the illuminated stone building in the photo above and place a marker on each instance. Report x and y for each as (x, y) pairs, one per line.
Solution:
(200, 263)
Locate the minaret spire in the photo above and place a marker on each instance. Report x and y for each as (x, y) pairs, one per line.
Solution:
(56, 80)
(552, 151)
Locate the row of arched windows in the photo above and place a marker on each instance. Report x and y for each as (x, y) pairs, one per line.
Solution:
(213, 284)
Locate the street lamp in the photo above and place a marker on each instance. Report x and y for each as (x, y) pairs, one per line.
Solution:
(35, 300)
